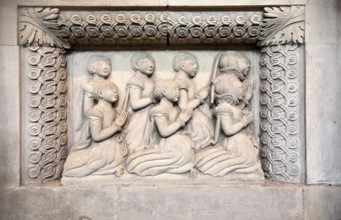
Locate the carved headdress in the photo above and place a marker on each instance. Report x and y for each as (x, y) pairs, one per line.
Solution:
(228, 88)
(228, 62)
(94, 59)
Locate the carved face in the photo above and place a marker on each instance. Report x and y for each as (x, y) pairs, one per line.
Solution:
(146, 66)
(101, 68)
(190, 67)
(172, 93)
(110, 95)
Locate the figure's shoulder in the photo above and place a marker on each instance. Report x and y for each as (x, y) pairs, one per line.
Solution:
(94, 113)
(136, 82)
(183, 83)
(159, 111)
(223, 109)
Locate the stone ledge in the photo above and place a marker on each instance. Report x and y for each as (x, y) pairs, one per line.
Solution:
(322, 202)
(234, 202)
(156, 201)
(40, 203)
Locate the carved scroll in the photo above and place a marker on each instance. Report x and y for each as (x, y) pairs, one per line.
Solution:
(215, 27)
(47, 113)
(281, 145)
(95, 28)
(156, 27)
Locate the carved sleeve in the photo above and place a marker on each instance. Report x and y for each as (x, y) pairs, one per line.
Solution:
(137, 102)
(99, 133)
(229, 127)
(136, 83)
(163, 125)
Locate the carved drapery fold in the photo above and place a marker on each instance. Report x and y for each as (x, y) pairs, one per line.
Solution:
(46, 112)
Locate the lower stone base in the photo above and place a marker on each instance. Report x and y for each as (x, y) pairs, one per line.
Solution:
(162, 201)
(184, 179)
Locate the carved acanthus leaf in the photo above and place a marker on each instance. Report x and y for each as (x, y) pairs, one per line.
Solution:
(36, 26)
(282, 26)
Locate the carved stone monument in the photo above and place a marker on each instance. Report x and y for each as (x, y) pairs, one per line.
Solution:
(204, 105)
(175, 126)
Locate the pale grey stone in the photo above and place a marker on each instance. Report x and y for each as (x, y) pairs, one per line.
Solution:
(322, 202)
(54, 202)
(9, 116)
(8, 24)
(234, 3)
(204, 202)
(323, 120)
(323, 26)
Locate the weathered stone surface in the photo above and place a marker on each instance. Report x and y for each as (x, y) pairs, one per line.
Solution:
(322, 92)
(8, 26)
(322, 202)
(323, 119)
(233, 3)
(322, 26)
(9, 116)
(204, 202)
(58, 203)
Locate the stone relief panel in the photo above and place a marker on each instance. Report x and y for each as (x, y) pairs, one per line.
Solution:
(184, 115)
(199, 109)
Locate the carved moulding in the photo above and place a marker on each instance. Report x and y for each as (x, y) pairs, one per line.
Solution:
(46, 112)
(280, 111)
(147, 27)
(49, 29)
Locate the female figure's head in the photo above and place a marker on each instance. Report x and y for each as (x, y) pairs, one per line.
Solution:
(166, 89)
(228, 90)
(99, 65)
(105, 90)
(234, 61)
(187, 63)
(144, 63)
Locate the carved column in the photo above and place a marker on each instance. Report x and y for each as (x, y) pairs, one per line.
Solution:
(44, 96)
(282, 105)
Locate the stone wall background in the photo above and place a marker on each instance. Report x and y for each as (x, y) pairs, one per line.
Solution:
(319, 198)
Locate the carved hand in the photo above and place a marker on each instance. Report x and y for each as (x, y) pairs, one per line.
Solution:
(248, 94)
(154, 97)
(247, 118)
(121, 119)
(185, 115)
(203, 93)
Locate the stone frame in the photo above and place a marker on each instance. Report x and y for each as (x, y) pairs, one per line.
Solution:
(47, 33)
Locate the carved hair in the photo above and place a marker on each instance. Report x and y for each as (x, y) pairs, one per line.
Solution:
(161, 86)
(227, 62)
(180, 58)
(94, 59)
(231, 61)
(139, 56)
(226, 89)
(99, 86)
